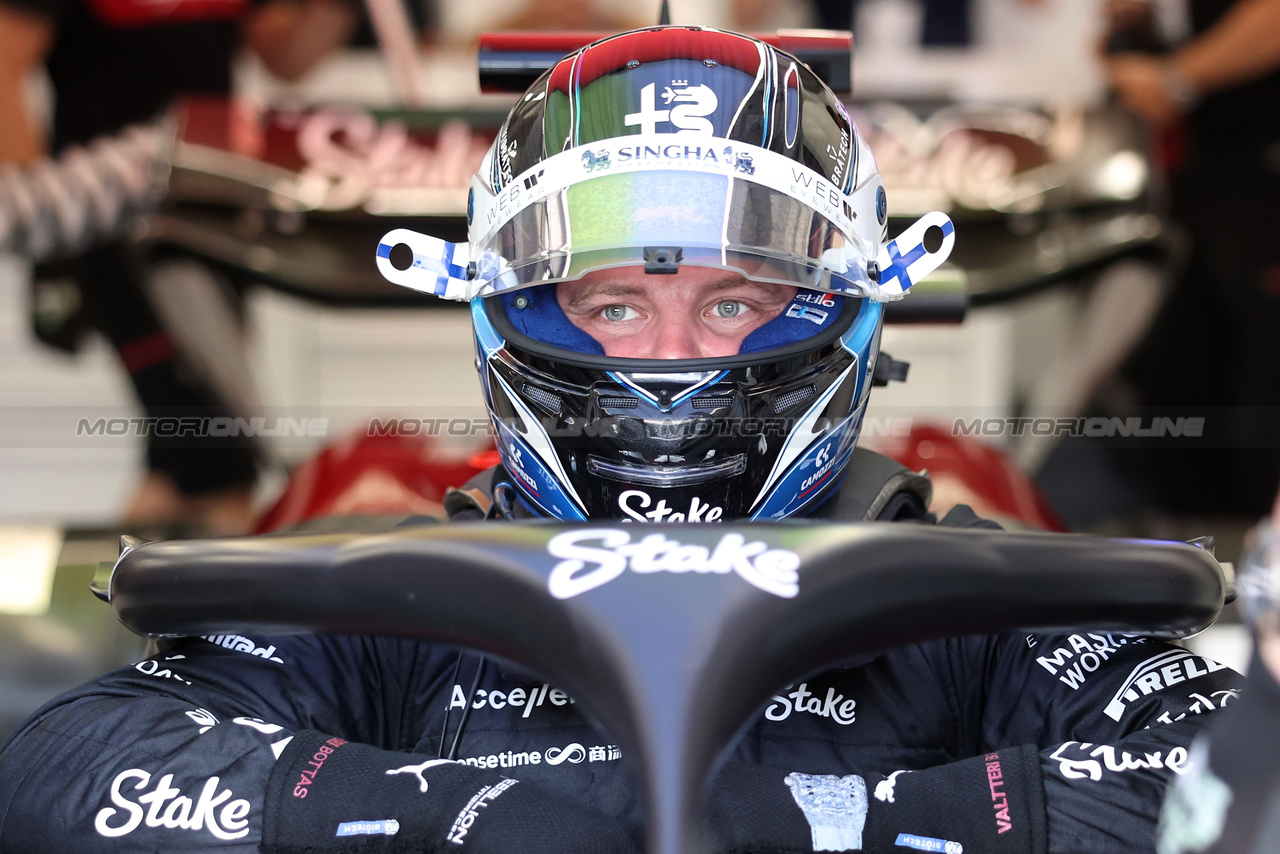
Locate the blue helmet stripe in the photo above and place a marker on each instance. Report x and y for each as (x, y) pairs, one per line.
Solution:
(486, 336)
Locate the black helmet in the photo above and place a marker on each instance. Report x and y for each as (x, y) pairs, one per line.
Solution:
(661, 149)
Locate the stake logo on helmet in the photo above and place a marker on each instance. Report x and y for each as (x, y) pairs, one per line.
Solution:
(664, 148)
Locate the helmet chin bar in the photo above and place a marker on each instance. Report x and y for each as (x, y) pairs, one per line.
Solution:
(448, 271)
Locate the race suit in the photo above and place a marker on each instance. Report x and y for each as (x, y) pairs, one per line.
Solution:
(1112, 717)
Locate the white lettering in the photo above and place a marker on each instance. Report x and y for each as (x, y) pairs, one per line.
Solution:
(648, 116)
(691, 106)
(1104, 757)
(513, 699)
(151, 667)
(1154, 675)
(833, 706)
(258, 724)
(238, 643)
(632, 501)
(135, 812)
(1092, 649)
(774, 571)
(565, 582)
(169, 808)
(573, 753)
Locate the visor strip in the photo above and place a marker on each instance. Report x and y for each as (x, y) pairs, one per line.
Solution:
(682, 151)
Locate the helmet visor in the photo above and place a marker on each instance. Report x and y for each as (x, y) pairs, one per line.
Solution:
(633, 218)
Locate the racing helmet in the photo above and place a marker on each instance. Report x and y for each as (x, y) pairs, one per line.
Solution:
(659, 149)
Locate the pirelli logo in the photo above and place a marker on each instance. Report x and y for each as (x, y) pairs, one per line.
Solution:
(1157, 673)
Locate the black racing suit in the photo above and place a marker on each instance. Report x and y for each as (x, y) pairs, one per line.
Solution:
(1111, 716)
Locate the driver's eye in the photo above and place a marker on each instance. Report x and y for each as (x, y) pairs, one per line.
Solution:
(729, 308)
(616, 312)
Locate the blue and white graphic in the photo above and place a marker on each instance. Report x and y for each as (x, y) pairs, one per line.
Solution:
(532, 460)
(804, 432)
(813, 471)
(488, 341)
(381, 827)
(806, 312)
(741, 160)
(439, 267)
(594, 161)
(899, 269)
(928, 843)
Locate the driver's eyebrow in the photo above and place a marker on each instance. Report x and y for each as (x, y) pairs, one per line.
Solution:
(743, 281)
(620, 289)
(606, 289)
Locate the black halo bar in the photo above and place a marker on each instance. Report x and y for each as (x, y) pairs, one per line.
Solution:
(672, 654)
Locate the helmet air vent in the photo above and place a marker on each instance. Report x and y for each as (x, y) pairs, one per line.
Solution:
(542, 397)
(786, 400)
(619, 402)
(712, 402)
(668, 477)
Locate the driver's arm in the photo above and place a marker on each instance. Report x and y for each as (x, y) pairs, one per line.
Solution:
(25, 38)
(1113, 718)
(292, 36)
(1071, 741)
(274, 745)
(1242, 46)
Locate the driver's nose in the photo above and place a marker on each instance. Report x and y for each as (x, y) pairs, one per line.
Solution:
(673, 338)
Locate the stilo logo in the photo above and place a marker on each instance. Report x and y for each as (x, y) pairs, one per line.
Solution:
(816, 297)
(586, 567)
